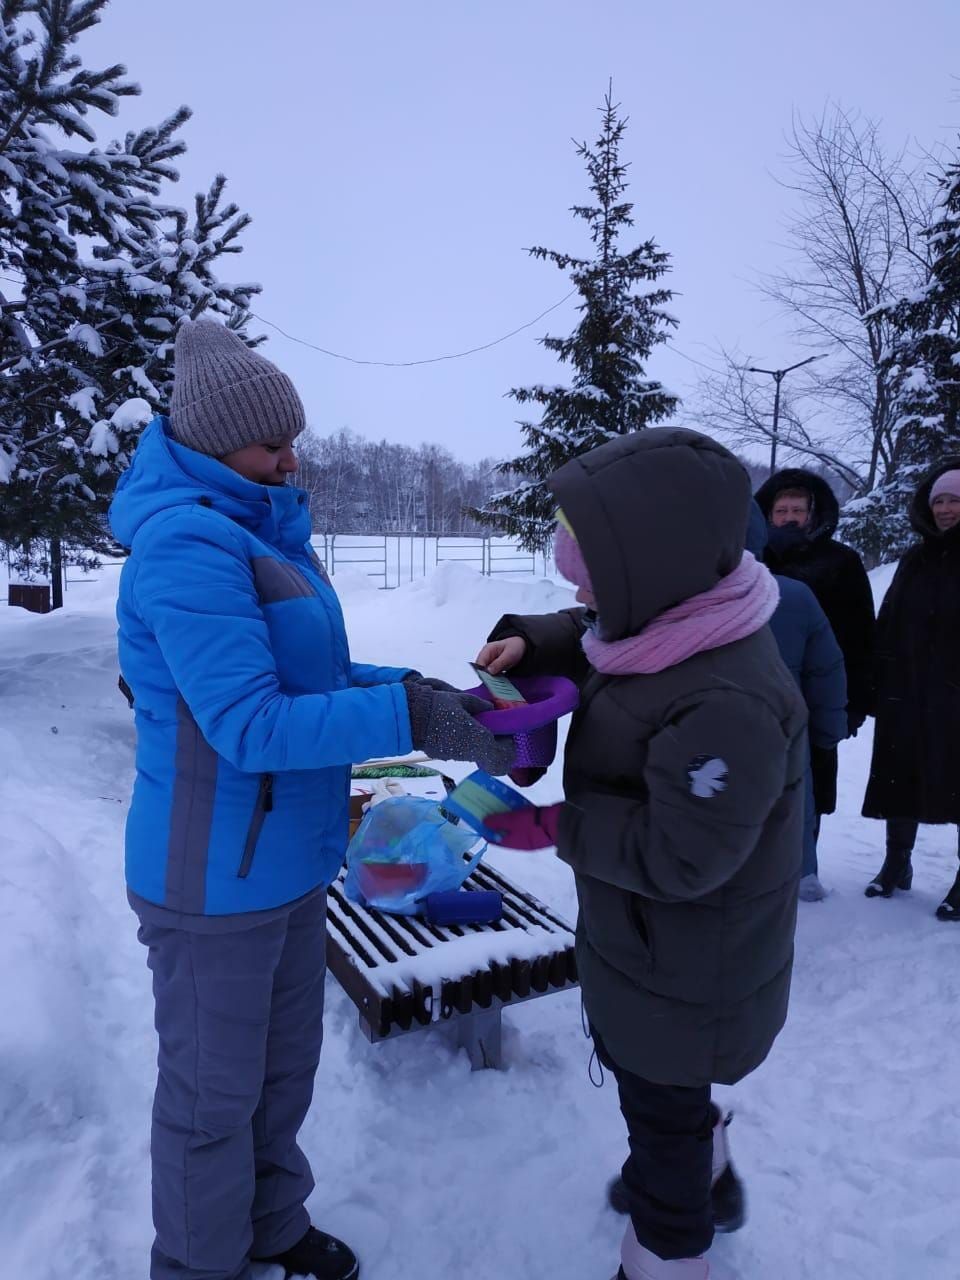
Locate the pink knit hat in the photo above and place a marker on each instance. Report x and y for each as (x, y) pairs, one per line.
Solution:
(567, 555)
(949, 482)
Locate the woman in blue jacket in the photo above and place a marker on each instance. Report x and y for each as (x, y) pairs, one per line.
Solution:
(815, 660)
(249, 714)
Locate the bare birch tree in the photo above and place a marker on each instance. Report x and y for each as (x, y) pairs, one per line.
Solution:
(737, 405)
(855, 246)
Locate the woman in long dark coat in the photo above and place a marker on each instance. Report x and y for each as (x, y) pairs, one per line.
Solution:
(915, 772)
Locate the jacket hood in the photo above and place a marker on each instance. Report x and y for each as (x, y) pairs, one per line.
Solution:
(826, 509)
(165, 474)
(921, 517)
(660, 515)
(758, 531)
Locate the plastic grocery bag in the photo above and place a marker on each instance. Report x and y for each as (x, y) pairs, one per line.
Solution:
(404, 849)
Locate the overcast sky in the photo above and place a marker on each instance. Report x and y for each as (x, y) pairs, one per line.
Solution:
(397, 158)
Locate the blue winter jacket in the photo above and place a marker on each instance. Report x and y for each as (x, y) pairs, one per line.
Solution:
(808, 647)
(249, 711)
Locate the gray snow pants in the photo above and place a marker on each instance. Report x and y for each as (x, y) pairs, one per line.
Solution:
(239, 1016)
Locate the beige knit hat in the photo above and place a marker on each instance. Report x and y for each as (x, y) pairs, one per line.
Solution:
(225, 396)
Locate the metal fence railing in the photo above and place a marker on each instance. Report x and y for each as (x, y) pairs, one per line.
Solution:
(347, 551)
(390, 559)
(509, 558)
(72, 576)
(396, 558)
(472, 551)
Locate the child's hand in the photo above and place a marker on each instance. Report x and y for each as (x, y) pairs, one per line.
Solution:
(497, 656)
(526, 828)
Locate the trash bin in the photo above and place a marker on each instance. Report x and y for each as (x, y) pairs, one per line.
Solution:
(35, 599)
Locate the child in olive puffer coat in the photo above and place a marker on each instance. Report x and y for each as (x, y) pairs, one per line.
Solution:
(683, 810)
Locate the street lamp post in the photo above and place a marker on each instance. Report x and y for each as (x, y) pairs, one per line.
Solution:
(778, 376)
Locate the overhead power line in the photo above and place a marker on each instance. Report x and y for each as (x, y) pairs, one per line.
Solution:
(407, 364)
(456, 355)
(692, 359)
(93, 286)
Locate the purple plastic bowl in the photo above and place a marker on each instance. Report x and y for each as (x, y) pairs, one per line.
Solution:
(533, 727)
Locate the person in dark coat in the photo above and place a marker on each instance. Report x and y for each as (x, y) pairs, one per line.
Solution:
(915, 771)
(802, 512)
(815, 660)
(683, 811)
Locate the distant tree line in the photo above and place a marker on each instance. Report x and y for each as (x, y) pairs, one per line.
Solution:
(361, 486)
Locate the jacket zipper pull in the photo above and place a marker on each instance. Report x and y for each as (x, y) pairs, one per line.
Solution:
(266, 787)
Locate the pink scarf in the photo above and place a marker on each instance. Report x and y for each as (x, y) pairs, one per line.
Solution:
(739, 604)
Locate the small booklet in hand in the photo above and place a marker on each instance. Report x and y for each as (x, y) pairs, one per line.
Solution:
(479, 796)
(504, 693)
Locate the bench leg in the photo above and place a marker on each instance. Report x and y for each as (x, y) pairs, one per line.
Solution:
(480, 1034)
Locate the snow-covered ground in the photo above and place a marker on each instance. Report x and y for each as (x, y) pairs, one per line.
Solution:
(849, 1137)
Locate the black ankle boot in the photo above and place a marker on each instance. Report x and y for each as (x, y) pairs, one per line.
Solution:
(949, 908)
(896, 873)
(319, 1255)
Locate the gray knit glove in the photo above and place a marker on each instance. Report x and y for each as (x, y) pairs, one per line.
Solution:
(440, 686)
(442, 726)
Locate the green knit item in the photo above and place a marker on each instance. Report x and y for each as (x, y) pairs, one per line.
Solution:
(393, 771)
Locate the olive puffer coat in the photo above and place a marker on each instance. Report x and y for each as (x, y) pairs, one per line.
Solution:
(684, 789)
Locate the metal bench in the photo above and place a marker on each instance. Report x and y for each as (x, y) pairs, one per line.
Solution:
(404, 974)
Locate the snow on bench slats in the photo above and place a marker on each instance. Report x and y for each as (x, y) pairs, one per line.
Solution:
(462, 957)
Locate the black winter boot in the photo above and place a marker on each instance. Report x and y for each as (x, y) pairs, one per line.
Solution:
(949, 908)
(317, 1254)
(897, 869)
(617, 1197)
(726, 1190)
(896, 873)
(726, 1193)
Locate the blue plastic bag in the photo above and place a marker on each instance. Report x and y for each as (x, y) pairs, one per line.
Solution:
(404, 849)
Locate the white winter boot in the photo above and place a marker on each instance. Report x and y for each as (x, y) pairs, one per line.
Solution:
(726, 1192)
(638, 1263)
(810, 888)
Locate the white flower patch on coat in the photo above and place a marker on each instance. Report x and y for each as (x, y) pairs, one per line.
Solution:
(708, 776)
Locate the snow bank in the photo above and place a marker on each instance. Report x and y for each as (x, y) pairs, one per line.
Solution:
(465, 589)
(77, 1047)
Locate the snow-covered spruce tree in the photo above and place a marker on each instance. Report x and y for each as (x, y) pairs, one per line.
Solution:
(124, 373)
(622, 320)
(924, 365)
(52, 197)
(101, 274)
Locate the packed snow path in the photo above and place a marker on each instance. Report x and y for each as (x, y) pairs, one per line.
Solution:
(848, 1138)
